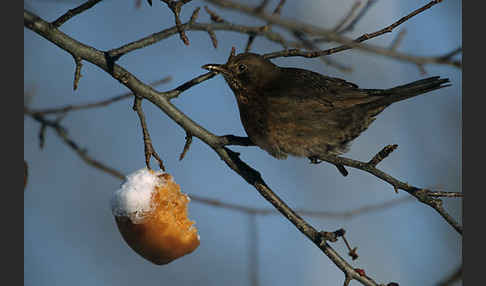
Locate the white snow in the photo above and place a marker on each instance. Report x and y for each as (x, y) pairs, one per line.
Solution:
(133, 198)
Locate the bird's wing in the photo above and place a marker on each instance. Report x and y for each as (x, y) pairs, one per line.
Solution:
(299, 85)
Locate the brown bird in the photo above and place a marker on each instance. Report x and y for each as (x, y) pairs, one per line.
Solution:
(291, 111)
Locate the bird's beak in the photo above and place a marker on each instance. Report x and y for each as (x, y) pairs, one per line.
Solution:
(217, 68)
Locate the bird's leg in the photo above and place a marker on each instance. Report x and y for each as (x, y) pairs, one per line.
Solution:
(341, 169)
(316, 160)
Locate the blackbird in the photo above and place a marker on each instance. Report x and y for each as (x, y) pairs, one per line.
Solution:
(291, 111)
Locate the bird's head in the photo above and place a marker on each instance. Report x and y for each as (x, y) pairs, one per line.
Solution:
(246, 71)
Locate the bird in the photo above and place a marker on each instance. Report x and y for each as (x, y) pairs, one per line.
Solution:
(297, 112)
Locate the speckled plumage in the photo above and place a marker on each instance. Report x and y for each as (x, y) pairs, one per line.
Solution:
(291, 111)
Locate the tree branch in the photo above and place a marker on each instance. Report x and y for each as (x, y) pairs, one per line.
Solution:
(77, 72)
(207, 27)
(332, 36)
(147, 141)
(231, 158)
(175, 7)
(423, 195)
(349, 214)
(73, 12)
(162, 100)
(96, 104)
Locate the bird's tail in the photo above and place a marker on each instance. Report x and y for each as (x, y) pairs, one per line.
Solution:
(402, 92)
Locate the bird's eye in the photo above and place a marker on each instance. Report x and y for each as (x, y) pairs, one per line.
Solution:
(242, 67)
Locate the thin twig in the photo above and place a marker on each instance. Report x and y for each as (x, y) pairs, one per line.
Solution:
(347, 17)
(421, 194)
(385, 152)
(164, 34)
(187, 145)
(351, 251)
(77, 72)
(73, 12)
(266, 27)
(346, 42)
(188, 84)
(175, 7)
(308, 44)
(42, 135)
(61, 132)
(96, 104)
(360, 16)
(214, 16)
(398, 40)
(451, 54)
(148, 147)
(213, 38)
(194, 16)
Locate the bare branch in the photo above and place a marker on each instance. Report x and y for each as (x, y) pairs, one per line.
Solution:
(445, 194)
(228, 140)
(175, 7)
(148, 147)
(194, 16)
(308, 44)
(348, 16)
(73, 12)
(42, 135)
(333, 237)
(187, 145)
(188, 84)
(260, 8)
(159, 36)
(331, 36)
(97, 104)
(213, 202)
(213, 16)
(61, 132)
(382, 154)
(421, 194)
(231, 158)
(361, 14)
(77, 73)
(398, 40)
(451, 54)
(213, 38)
